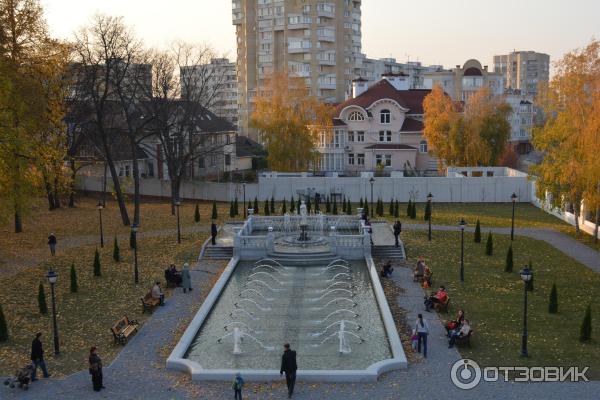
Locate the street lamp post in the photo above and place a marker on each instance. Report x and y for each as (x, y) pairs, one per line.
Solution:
(372, 181)
(429, 199)
(52, 278)
(100, 207)
(136, 277)
(462, 225)
(526, 276)
(244, 186)
(177, 205)
(512, 228)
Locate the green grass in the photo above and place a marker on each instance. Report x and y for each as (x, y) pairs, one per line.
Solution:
(493, 299)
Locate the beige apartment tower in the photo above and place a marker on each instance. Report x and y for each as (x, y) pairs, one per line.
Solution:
(317, 40)
(523, 70)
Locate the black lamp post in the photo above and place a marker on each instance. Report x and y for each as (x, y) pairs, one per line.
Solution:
(512, 229)
(52, 278)
(526, 276)
(136, 275)
(462, 225)
(245, 206)
(429, 199)
(372, 181)
(177, 205)
(100, 207)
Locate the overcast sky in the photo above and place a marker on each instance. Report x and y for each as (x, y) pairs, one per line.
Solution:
(434, 31)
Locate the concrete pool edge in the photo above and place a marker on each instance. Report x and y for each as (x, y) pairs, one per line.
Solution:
(177, 362)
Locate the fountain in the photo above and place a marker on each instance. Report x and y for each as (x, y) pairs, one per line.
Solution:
(248, 291)
(255, 304)
(303, 223)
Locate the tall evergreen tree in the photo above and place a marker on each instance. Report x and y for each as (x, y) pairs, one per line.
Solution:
(298, 205)
(335, 208)
(197, 214)
(116, 251)
(508, 266)
(215, 215)
(74, 286)
(477, 236)
(267, 208)
(272, 205)
(42, 305)
(392, 208)
(3, 326)
(283, 207)
(327, 205)
(553, 303)
(308, 204)
(348, 207)
(344, 205)
(489, 245)
(409, 208)
(231, 210)
(413, 212)
(367, 209)
(236, 207)
(361, 204)
(317, 206)
(97, 268)
(585, 333)
(292, 205)
(397, 209)
(256, 209)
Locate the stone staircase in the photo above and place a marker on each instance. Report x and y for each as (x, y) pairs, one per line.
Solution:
(307, 259)
(217, 253)
(388, 253)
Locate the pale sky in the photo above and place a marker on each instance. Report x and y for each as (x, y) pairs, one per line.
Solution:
(433, 31)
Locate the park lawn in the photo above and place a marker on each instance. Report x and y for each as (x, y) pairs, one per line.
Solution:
(493, 299)
(85, 317)
(83, 222)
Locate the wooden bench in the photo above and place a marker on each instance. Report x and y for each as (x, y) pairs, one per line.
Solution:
(442, 307)
(123, 329)
(149, 302)
(459, 340)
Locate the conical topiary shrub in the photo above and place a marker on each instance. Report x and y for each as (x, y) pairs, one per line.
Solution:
(74, 286)
(292, 205)
(367, 209)
(409, 208)
(585, 333)
(344, 205)
(348, 207)
(335, 208)
(197, 214)
(392, 208)
(3, 327)
(272, 205)
(42, 305)
(477, 237)
(116, 251)
(215, 214)
(255, 206)
(283, 207)
(236, 207)
(508, 266)
(231, 210)
(97, 268)
(489, 245)
(298, 204)
(397, 209)
(267, 209)
(413, 213)
(327, 205)
(553, 303)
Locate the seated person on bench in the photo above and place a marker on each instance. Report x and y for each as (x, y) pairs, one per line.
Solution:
(172, 275)
(459, 333)
(387, 270)
(157, 293)
(439, 297)
(455, 323)
(419, 270)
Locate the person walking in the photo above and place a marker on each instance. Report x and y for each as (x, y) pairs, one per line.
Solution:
(238, 384)
(213, 233)
(96, 369)
(289, 366)
(52, 243)
(422, 328)
(186, 278)
(37, 357)
(397, 232)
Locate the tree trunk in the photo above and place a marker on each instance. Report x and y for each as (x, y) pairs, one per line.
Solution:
(136, 183)
(597, 223)
(55, 194)
(118, 192)
(49, 193)
(18, 222)
(175, 185)
(576, 211)
(72, 188)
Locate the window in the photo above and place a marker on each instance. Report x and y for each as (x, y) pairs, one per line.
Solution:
(360, 159)
(423, 146)
(227, 159)
(385, 136)
(201, 162)
(351, 159)
(150, 169)
(356, 116)
(360, 136)
(384, 159)
(351, 136)
(385, 116)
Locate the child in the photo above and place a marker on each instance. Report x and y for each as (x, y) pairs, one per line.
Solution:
(237, 385)
(414, 339)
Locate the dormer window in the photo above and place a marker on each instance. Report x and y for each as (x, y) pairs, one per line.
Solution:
(385, 116)
(356, 116)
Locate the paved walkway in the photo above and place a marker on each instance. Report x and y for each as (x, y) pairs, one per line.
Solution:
(565, 243)
(382, 234)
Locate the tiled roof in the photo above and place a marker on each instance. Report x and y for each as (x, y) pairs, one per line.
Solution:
(246, 147)
(412, 125)
(338, 122)
(390, 146)
(410, 99)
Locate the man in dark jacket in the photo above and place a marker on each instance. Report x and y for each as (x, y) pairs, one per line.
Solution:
(397, 231)
(37, 357)
(213, 233)
(52, 243)
(288, 365)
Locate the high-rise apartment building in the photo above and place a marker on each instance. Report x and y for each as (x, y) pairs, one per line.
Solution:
(374, 69)
(523, 70)
(314, 39)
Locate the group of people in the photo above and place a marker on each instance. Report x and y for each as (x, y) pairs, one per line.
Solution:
(422, 273)
(457, 328)
(181, 278)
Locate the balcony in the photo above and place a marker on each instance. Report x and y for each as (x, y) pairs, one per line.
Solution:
(327, 62)
(327, 85)
(237, 17)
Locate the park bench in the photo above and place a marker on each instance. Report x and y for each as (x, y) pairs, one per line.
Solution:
(460, 340)
(442, 307)
(123, 329)
(149, 302)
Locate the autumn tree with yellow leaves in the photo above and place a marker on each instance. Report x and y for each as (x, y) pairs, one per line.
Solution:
(470, 135)
(570, 138)
(284, 114)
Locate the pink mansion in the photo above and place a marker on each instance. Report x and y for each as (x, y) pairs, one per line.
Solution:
(380, 127)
